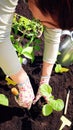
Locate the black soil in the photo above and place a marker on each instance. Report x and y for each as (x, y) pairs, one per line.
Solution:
(15, 118)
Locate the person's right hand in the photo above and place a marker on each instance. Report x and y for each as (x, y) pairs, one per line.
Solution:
(26, 94)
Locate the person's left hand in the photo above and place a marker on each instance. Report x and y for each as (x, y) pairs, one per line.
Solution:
(44, 80)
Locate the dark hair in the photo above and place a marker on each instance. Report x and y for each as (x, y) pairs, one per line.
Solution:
(62, 10)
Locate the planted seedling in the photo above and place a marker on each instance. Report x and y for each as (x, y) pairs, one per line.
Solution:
(60, 69)
(52, 104)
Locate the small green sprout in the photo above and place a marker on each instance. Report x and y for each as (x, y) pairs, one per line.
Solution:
(52, 104)
(60, 69)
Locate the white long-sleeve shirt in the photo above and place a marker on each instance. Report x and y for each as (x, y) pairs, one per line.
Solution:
(8, 58)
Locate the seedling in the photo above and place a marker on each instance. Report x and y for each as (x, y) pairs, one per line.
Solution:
(52, 104)
(26, 51)
(60, 69)
(31, 31)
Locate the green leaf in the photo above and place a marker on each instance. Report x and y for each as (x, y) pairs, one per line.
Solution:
(37, 48)
(37, 41)
(3, 100)
(63, 69)
(24, 21)
(12, 38)
(57, 105)
(28, 55)
(57, 68)
(47, 110)
(29, 50)
(45, 89)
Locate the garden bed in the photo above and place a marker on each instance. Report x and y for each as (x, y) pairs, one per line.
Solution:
(15, 118)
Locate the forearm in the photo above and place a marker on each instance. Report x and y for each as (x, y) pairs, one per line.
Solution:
(51, 41)
(46, 69)
(8, 58)
(20, 76)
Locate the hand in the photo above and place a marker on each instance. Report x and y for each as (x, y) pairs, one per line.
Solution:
(26, 94)
(44, 80)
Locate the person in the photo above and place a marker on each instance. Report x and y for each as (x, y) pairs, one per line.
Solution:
(8, 58)
(56, 16)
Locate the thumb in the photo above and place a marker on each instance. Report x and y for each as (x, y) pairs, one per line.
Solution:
(38, 96)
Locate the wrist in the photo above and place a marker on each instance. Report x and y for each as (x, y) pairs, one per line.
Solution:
(25, 83)
(44, 79)
(47, 69)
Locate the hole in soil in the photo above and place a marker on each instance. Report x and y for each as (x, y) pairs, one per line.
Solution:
(35, 111)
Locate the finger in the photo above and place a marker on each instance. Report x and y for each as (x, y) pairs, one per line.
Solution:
(37, 98)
